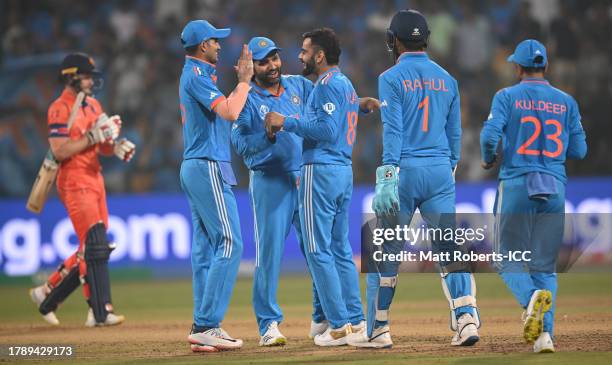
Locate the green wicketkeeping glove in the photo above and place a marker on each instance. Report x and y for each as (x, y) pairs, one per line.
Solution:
(386, 200)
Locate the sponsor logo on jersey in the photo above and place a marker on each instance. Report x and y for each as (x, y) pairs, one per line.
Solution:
(263, 110)
(329, 108)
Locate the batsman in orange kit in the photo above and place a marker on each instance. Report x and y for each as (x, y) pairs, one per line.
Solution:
(81, 189)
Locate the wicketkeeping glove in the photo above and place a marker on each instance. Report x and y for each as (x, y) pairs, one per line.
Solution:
(124, 149)
(105, 130)
(386, 200)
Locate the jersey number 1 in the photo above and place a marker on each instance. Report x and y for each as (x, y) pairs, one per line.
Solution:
(425, 105)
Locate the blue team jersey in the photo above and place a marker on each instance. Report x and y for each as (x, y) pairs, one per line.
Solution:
(420, 112)
(204, 134)
(249, 133)
(539, 126)
(329, 124)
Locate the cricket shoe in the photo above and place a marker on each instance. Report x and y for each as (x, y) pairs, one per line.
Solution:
(38, 295)
(544, 344)
(360, 328)
(112, 319)
(467, 331)
(334, 337)
(214, 337)
(273, 337)
(381, 339)
(540, 303)
(317, 328)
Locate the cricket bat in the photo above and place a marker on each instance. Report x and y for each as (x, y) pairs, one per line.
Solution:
(48, 170)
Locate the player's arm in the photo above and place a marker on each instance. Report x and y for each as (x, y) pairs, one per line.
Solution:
(245, 141)
(205, 91)
(577, 146)
(493, 128)
(368, 104)
(324, 126)
(392, 119)
(63, 147)
(453, 129)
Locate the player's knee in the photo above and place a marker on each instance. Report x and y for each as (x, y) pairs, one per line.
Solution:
(97, 246)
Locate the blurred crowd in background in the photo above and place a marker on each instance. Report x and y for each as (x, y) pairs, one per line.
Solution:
(136, 44)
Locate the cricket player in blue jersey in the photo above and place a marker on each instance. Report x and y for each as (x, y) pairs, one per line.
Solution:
(421, 148)
(540, 126)
(207, 177)
(328, 127)
(274, 165)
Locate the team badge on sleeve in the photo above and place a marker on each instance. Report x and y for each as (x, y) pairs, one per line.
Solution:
(329, 108)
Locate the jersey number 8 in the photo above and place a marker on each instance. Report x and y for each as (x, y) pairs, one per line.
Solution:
(352, 127)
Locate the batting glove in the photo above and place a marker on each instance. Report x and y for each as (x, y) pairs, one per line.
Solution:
(105, 130)
(386, 200)
(124, 149)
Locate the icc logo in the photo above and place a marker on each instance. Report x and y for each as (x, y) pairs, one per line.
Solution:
(329, 108)
(263, 110)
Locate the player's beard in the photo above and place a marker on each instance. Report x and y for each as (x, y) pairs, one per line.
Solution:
(309, 67)
(266, 81)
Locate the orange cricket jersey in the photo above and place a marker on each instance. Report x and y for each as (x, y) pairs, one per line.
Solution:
(83, 169)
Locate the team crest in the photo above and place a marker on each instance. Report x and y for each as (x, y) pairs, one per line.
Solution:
(295, 99)
(263, 110)
(263, 44)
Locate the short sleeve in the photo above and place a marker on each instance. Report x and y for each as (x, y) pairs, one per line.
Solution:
(205, 91)
(57, 120)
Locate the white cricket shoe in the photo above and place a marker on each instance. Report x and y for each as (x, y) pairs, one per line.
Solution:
(540, 303)
(544, 344)
(273, 337)
(467, 331)
(38, 295)
(112, 319)
(334, 337)
(214, 337)
(51, 318)
(317, 328)
(381, 339)
(360, 328)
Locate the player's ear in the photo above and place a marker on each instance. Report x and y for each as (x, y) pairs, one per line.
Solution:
(319, 56)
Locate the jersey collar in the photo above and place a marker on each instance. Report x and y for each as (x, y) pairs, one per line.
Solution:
(69, 96)
(328, 72)
(266, 92)
(535, 80)
(209, 67)
(412, 55)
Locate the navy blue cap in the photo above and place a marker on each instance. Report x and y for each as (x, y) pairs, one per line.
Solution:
(261, 47)
(78, 63)
(529, 53)
(197, 31)
(409, 25)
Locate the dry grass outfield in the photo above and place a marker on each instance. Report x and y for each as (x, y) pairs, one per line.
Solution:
(159, 316)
